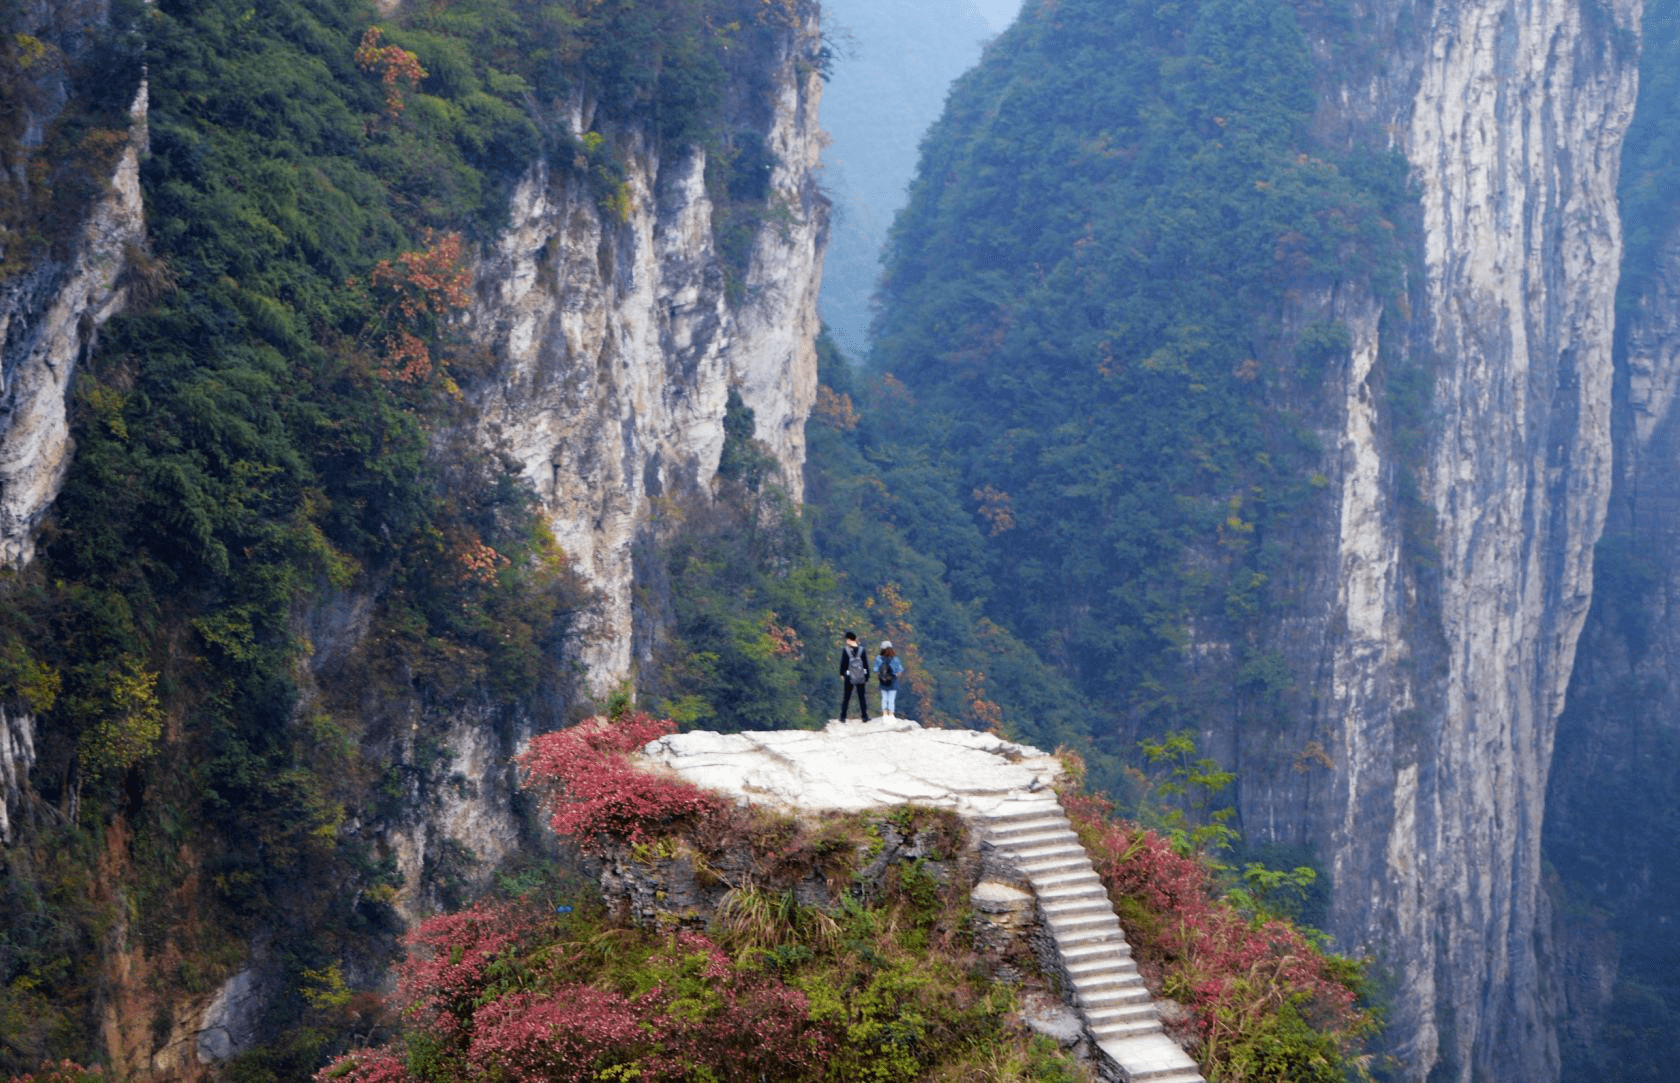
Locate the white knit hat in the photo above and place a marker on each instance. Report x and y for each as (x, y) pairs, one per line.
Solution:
(885, 643)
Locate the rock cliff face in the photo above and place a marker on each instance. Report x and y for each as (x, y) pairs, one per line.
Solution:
(1614, 779)
(50, 314)
(1440, 683)
(53, 300)
(617, 342)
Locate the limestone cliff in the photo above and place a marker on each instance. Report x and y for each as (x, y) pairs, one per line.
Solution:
(1438, 686)
(1614, 778)
(54, 293)
(617, 341)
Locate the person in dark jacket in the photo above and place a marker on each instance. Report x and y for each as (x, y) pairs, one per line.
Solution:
(854, 674)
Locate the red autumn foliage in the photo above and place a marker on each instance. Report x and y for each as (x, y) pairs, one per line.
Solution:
(559, 1036)
(1227, 968)
(382, 1065)
(479, 562)
(592, 791)
(449, 957)
(64, 1071)
(485, 997)
(431, 281)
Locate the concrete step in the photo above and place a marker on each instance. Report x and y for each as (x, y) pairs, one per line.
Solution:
(1101, 1020)
(1106, 939)
(1083, 881)
(1073, 891)
(1065, 909)
(1027, 813)
(1095, 953)
(1129, 985)
(1150, 1058)
(1111, 992)
(1052, 863)
(1121, 966)
(1091, 923)
(1134, 1028)
(1025, 822)
(1074, 904)
(1032, 848)
(1013, 834)
(1115, 997)
(1098, 950)
(1067, 919)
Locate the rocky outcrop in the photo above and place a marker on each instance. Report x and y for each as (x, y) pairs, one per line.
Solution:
(1026, 858)
(617, 341)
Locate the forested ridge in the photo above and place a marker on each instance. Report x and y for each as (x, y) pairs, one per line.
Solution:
(1090, 332)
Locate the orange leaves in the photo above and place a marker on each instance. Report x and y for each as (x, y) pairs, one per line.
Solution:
(784, 639)
(988, 714)
(412, 294)
(997, 508)
(429, 281)
(835, 410)
(393, 64)
(479, 562)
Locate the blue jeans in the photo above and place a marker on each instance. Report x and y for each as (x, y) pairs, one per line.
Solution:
(889, 697)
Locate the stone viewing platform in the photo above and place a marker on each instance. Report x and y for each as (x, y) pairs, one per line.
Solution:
(852, 766)
(1006, 792)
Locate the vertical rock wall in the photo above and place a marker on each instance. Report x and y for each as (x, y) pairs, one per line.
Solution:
(617, 341)
(49, 316)
(1611, 805)
(1522, 246)
(1436, 692)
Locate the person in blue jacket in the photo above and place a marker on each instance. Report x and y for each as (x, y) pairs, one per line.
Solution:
(888, 668)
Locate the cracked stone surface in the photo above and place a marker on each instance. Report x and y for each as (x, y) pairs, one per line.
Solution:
(851, 766)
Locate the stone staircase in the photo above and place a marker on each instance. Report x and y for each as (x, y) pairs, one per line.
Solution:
(1119, 1013)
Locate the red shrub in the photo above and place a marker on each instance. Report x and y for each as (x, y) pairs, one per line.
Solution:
(559, 1036)
(593, 791)
(1227, 968)
(449, 963)
(706, 1013)
(65, 1071)
(382, 1065)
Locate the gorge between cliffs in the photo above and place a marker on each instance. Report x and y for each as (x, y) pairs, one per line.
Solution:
(382, 387)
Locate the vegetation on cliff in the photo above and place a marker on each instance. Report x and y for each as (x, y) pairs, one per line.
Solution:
(270, 436)
(1104, 311)
(881, 978)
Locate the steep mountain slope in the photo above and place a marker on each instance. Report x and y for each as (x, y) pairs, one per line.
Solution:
(428, 289)
(1293, 441)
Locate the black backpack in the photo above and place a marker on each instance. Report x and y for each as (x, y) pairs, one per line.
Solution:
(887, 675)
(856, 671)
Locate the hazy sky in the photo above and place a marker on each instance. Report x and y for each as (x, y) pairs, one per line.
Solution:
(1000, 13)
